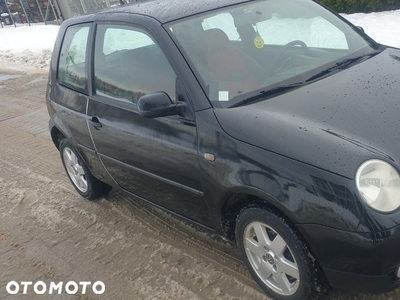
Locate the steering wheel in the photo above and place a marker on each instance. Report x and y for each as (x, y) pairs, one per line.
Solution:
(295, 43)
(279, 62)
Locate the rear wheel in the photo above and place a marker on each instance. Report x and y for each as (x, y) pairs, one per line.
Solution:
(276, 256)
(83, 181)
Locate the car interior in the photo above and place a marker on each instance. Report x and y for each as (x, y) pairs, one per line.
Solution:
(226, 57)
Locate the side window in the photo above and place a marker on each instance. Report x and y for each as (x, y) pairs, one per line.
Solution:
(72, 71)
(129, 64)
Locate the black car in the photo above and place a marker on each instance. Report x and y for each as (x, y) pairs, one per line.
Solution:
(274, 123)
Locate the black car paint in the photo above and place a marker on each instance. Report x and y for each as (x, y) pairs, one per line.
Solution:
(297, 152)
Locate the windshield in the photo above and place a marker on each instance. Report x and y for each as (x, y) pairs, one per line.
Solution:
(245, 50)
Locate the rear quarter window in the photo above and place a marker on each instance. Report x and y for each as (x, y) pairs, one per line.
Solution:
(72, 68)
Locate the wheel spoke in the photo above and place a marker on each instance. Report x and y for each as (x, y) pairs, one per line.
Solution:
(289, 268)
(283, 283)
(81, 183)
(69, 156)
(78, 182)
(70, 169)
(252, 246)
(74, 159)
(80, 170)
(264, 272)
(261, 234)
(278, 245)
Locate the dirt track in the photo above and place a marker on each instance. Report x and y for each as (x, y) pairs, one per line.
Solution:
(48, 233)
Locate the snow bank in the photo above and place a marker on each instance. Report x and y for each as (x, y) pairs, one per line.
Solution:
(29, 48)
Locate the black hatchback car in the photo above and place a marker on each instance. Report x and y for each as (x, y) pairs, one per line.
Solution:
(272, 122)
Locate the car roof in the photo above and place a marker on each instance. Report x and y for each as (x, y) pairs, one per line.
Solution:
(170, 10)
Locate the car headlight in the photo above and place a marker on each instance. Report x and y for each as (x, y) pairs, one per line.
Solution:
(379, 185)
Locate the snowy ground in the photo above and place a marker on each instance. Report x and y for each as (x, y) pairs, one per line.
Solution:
(29, 48)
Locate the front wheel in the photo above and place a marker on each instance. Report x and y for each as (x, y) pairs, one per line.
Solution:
(276, 256)
(83, 181)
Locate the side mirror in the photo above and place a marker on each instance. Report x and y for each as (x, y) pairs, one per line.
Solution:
(158, 105)
(361, 29)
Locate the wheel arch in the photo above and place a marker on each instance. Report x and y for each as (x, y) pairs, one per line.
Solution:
(58, 131)
(56, 136)
(236, 202)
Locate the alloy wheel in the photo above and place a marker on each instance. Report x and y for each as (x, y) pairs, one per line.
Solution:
(271, 258)
(75, 170)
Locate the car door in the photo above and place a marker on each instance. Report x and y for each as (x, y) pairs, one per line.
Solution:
(72, 90)
(70, 93)
(155, 159)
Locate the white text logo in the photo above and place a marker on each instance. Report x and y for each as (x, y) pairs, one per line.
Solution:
(41, 288)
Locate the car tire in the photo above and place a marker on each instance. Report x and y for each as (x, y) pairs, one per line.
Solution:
(78, 173)
(277, 257)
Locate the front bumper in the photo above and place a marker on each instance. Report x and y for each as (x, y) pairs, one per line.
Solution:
(363, 262)
(360, 283)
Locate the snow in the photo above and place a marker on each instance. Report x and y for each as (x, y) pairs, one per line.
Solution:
(29, 47)
(383, 27)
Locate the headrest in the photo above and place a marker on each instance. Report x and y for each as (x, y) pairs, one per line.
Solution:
(216, 39)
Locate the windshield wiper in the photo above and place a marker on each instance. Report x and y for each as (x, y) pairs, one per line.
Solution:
(267, 93)
(280, 89)
(339, 66)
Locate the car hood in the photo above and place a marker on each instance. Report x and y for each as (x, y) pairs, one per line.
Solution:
(335, 123)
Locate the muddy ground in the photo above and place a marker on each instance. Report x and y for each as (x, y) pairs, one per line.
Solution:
(49, 233)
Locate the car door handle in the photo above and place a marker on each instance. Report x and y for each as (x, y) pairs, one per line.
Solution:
(95, 122)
